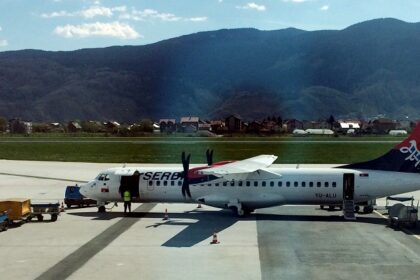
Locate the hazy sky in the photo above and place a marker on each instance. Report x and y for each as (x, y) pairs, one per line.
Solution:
(75, 24)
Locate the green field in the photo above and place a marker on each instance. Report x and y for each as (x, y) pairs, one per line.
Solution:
(168, 149)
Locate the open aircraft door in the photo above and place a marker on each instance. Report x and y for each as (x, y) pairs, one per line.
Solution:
(348, 186)
(130, 179)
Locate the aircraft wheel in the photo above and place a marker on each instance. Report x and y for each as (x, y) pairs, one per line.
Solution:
(322, 207)
(236, 211)
(101, 209)
(367, 209)
(356, 208)
(248, 211)
(331, 208)
(40, 218)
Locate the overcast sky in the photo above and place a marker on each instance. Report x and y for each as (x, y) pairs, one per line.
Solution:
(75, 24)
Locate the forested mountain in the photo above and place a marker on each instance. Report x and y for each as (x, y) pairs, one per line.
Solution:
(366, 69)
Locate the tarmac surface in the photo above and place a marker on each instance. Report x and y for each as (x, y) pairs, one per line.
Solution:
(287, 242)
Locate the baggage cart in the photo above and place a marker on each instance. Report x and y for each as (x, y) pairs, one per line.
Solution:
(18, 209)
(403, 213)
(4, 221)
(368, 206)
(38, 210)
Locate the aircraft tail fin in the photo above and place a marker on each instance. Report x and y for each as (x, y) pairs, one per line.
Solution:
(404, 157)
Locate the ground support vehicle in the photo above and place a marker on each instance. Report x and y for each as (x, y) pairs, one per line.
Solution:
(401, 214)
(4, 221)
(367, 206)
(40, 209)
(74, 197)
(18, 209)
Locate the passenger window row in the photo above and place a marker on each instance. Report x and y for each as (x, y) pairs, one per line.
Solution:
(247, 183)
(165, 183)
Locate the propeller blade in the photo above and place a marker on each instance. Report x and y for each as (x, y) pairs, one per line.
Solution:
(183, 189)
(209, 156)
(186, 188)
(185, 183)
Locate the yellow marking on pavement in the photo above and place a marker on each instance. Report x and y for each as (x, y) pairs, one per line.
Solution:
(403, 229)
(386, 218)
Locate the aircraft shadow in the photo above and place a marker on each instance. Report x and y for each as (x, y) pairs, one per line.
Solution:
(206, 223)
(201, 224)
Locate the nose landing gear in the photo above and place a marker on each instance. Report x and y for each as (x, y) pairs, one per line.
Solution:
(101, 207)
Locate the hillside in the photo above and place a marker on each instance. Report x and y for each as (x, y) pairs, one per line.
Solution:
(366, 69)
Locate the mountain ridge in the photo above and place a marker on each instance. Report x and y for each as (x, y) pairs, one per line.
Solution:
(366, 69)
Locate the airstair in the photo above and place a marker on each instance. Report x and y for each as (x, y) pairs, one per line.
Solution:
(348, 210)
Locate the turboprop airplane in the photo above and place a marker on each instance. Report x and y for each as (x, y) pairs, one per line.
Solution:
(249, 184)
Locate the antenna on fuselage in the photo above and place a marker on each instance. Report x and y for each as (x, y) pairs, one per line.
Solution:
(124, 165)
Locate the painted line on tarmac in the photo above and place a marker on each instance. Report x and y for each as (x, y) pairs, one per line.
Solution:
(81, 256)
(42, 177)
(403, 229)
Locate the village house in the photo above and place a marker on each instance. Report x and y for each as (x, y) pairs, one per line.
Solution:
(270, 126)
(234, 123)
(292, 124)
(74, 126)
(112, 126)
(348, 126)
(315, 124)
(17, 126)
(254, 127)
(204, 125)
(167, 125)
(217, 126)
(189, 124)
(383, 126)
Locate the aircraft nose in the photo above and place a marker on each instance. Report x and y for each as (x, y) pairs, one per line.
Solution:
(84, 189)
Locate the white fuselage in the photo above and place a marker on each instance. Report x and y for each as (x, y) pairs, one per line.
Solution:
(268, 187)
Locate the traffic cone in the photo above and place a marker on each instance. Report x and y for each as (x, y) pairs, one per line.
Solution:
(199, 205)
(62, 207)
(166, 217)
(214, 241)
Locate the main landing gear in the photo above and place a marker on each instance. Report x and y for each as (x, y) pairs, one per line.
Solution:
(238, 209)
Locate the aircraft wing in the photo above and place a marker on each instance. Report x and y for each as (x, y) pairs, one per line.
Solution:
(243, 166)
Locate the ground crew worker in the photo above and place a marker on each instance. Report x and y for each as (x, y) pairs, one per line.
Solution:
(127, 201)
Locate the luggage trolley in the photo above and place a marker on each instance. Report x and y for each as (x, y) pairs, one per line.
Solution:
(40, 209)
(4, 221)
(401, 214)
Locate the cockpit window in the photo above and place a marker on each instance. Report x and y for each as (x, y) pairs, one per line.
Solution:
(106, 177)
(101, 177)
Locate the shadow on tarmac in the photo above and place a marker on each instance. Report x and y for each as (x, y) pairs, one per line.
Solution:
(201, 224)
